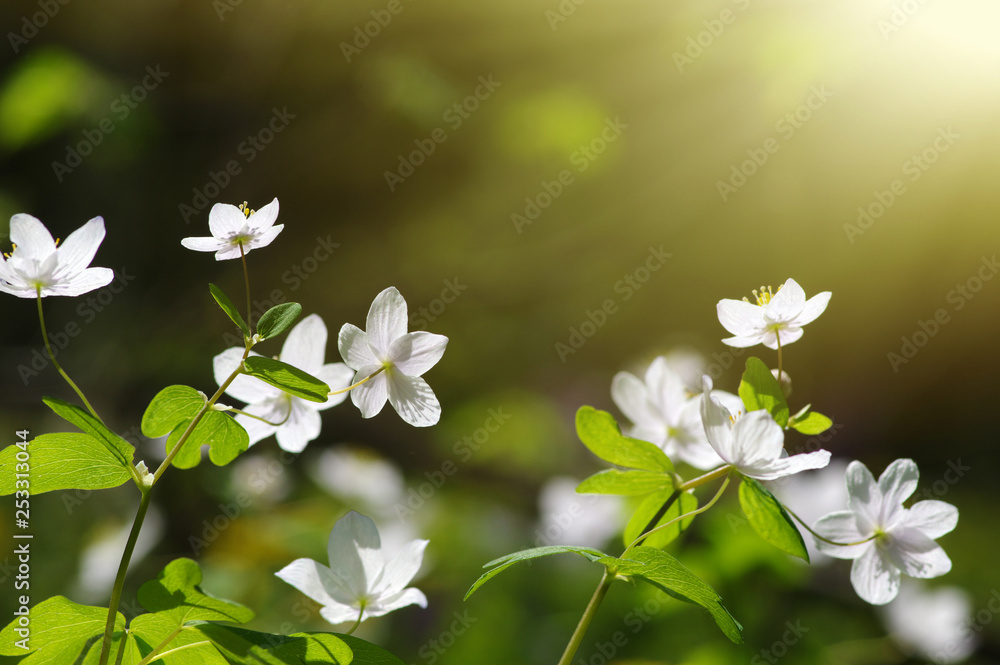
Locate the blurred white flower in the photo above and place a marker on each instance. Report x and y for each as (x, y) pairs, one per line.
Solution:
(896, 539)
(396, 358)
(262, 476)
(99, 559)
(775, 314)
(812, 494)
(931, 623)
(296, 420)
(585, 520)
(234, 227)
(37, 266)
(359, 475)
(359, 583)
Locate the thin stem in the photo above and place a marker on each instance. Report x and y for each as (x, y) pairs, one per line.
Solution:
(116, 594)
(707, 478)
(777, 336)
(364, 380)
(682, 487)
(676, 494)
(358, 622)
(52, 357)
(246, 281)
(826, 540)
(638, 541)
(588, 616)
(263, 420)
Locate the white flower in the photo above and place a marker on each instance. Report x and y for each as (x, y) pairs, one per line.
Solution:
(811, 495)
(37, 265)
(359, 475)
(899, 540)
(753, 443)
(233, 226)
(568, 518)
(399, 358)
(779, 314)
(931, 623)
(664, 414)
(358, 584)
(304, 348)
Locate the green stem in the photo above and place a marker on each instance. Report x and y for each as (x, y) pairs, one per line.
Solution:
(826, 540)
(357, 623)
(588, 616)
(364, 380)
(116, 594)
(777, 336)
(638, 541)
(246, 282)
(52, 357)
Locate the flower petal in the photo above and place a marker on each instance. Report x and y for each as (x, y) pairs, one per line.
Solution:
(338, 376)
(742, 342)
(83, 282)
(841, 527)
(303, 425)
(371, 396)
(270, 410)
(863, 495)
(33, 240)
(265, 238)
(402, 568)
(739, 317)
(898, 482)
(305, 346)
(756, 438)
(875, 580)
(813, 308)
(224, 220)
(339, 613)
(413, 400)
(788, 335)
(204, 244)
(244, 388)
(666, 390)
(264, 218)
(354, 348)
(308, 576)
(932, 518)
(78, 250)
(917, 555)
(787, 466)
(716, 419)
(355, 552)
(415, 353)
(386, 321)
(631, 397)
(787, 303)
(406, 597)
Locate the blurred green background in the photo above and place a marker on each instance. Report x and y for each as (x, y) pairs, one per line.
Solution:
(510, 167)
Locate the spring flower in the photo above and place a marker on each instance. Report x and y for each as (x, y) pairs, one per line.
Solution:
(753, 443)
(662, 413)
(38, 266)
(812, 494)
(932, 624)
(886, 538)
(296, 421)
(359, 583)
(233, 227)
(392, 360)
(777, 317)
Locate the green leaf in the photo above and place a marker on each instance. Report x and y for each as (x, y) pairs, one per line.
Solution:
(601, 434)
(760, 390)
(664, 571)
(119, 447)
(61, 631)
(229, 308)
(625, 483)
(290, 379)
(278, 319)
(814, 423)
(247, 646)
(175, 593)
(647, 511)
(183, 645)
(505, 562)
(769, 519)
(172, 406)
(225, 438)
(62, 461)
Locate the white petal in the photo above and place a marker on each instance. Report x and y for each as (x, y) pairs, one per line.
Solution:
(338, 376)
(756, 438)
(813, 308)
(718, 426)
(33, 240)
(864, 497)
(898, 482)
(402, 568)
(256, 429)
(413, 400)
(338, 613)
(371, 396)
(919, 556)
(244, 388)
(308, 577)
(787, 466)
(406, 597)
(354, 348)
(875, 579)
(229, 252)
(631, 397)
(79, 248)
(841, 527)
(84, 282)
(788, 335)
(787, 303)
(744, 341)
(666, 390)
(355, 553)
(739, 317)
(224, 220)
(204, 244)
(415, 353)
(303, 425)
(386, 321)
(264, 218)
(305, 346)
(932, 518)
(265, 238)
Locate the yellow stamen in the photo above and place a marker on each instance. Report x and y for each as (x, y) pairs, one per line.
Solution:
(57, 241)
(245, 209)
(765, 295)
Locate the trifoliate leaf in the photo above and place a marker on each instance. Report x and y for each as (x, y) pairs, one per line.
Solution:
(229, 308)
(650, 508)
(505, 562)
(247, 646)
(601, 434)
(278, 319)
(664, 571)
(61, 461)
(769, 519)
(61, 631)
(625, 483)
(176, 593)
(225, 438)
(285, 377)
(760, 390)
(172, 406)
(119, 447)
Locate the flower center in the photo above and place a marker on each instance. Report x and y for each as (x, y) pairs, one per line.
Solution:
(765, 295)
(245, 209)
